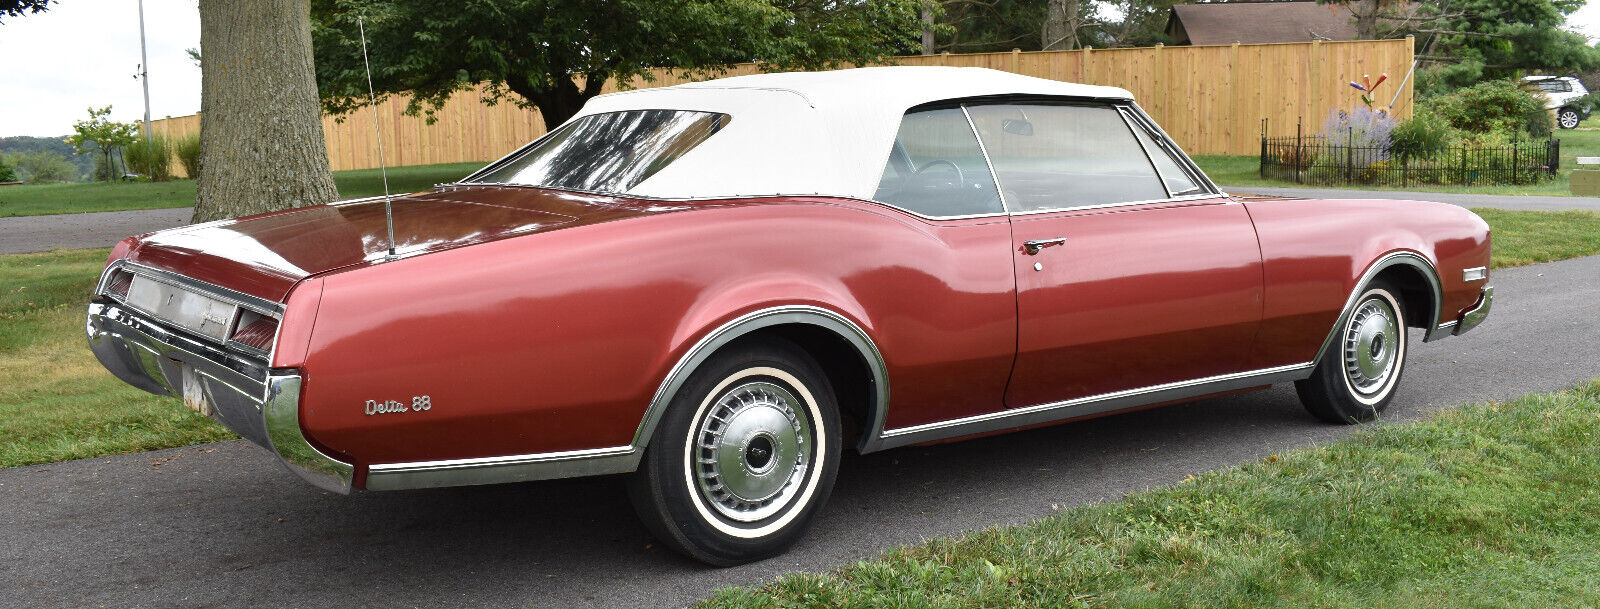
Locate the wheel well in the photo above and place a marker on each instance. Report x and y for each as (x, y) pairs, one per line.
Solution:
(1415, 291)
(847, 372)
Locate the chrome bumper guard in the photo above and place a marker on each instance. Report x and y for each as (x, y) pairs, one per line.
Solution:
(258, 403)
(1477, 314)
(1468, 320)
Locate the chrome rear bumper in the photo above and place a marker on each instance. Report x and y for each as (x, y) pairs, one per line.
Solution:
(258, 403)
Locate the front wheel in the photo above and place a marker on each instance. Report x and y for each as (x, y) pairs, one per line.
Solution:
(1568, 118)
(1358, 373)
(744, 457)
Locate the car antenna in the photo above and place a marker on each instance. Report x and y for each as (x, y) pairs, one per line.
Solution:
(388, 207)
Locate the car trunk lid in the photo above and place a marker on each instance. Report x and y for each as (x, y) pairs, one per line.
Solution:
(266, 254)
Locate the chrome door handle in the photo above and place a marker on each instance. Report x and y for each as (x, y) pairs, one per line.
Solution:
(1033, 246)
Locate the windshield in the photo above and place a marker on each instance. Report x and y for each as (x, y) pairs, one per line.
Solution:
(610, 152)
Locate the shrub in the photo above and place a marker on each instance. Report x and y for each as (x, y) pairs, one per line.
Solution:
(46, 168)
(7, 173)
(188, 150)
(1361, 128)
(1496, 105)
(1424, 134)
(151, 156)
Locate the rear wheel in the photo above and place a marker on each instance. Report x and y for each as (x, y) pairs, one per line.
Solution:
(1357, 375)
(1568, 118)
(744, 457)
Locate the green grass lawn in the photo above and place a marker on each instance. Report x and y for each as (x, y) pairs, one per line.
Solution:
(57, 402)
(1245, 171)
(33, 200)
(1489, 505)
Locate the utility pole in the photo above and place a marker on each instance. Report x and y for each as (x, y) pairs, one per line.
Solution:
(144, 73)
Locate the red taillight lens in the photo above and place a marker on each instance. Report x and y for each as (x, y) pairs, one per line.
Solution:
(120, 282)
(257, 333)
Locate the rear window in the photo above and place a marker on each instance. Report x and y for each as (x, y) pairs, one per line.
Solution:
(610, 152)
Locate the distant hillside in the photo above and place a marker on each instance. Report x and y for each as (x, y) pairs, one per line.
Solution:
(27, 145)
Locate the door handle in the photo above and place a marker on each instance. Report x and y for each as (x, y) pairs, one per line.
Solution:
(1033, 246)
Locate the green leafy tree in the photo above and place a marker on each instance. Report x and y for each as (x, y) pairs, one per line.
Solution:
(555, 55)
(45, 168)
(7, 173)
(18, 8)
(103, 135)
(1478, 40)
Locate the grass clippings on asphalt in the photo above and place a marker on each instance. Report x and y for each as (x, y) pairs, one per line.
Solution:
(56, 401)
(1490, 505)
(42, 199)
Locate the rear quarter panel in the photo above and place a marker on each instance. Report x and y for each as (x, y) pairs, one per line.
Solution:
(1314, 252)
(558, 341)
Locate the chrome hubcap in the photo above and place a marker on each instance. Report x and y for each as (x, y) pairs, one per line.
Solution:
(1569, 119)
(1371, 346)
(750, 451)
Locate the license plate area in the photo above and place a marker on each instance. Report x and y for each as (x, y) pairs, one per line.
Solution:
(194, 391)
(194, 312)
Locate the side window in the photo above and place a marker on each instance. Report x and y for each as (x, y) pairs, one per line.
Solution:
(1061, 156)
(936, 168)
(1178, 181)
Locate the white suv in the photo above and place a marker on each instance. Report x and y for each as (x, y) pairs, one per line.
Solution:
(1564, 95)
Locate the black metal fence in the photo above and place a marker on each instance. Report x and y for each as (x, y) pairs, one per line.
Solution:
(1316, 159)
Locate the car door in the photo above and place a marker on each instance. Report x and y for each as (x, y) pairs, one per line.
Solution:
(1131, 271)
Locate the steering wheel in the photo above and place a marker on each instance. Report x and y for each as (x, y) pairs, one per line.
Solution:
(961, 177)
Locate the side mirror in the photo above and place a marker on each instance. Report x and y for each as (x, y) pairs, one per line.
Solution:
(1017, 126)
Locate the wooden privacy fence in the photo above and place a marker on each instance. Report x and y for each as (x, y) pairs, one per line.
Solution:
(1211, 99)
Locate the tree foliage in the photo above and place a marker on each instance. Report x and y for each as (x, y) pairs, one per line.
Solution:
(18, 8)
(554, 55)
(976, 26)
(1490, 39)
(101, 134)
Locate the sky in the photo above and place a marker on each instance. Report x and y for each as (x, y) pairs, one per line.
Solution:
(56, 64)
(82, 53)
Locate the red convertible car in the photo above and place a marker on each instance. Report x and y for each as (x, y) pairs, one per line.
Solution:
(717, 287)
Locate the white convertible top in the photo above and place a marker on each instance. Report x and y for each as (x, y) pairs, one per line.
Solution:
(796, 133)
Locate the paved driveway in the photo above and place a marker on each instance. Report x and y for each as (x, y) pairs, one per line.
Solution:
(224, 525)
(75, 231)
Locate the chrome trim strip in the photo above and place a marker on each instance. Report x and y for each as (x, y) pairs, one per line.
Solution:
(621, 459)
(495, 470)
(994, 177)
(1094, 404)
(1122, 113)
(254, 303)
(1173, 147)
(749, 322)
(1408, 258)
(1208, 195)
(281, 415)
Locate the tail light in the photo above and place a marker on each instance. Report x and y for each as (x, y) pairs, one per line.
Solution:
(256, 333)
(120, 282)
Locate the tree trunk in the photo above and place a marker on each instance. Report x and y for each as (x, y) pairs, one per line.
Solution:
(927, 27)
(1060, 25)
(1366, 14)
(261, 140)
